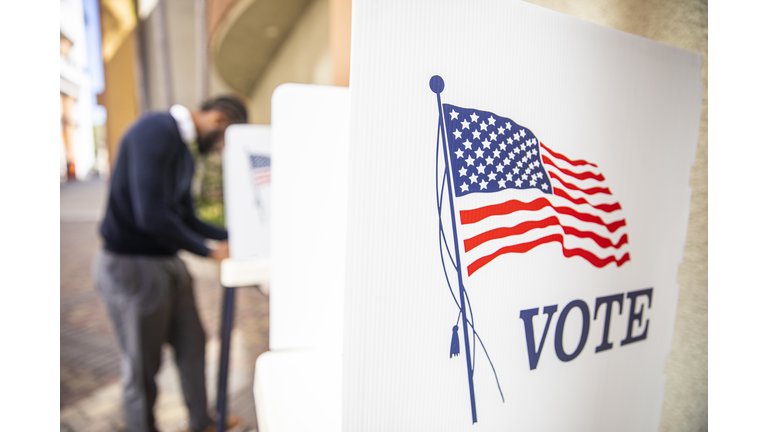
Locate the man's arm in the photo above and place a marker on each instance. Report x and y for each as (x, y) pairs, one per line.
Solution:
(204, 229)
(151, 191)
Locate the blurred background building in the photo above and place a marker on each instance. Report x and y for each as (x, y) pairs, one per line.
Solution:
(157, 53)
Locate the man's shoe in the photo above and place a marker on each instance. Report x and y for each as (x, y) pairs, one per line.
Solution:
(231, 422)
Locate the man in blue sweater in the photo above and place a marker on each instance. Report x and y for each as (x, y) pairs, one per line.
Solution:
(146, 287)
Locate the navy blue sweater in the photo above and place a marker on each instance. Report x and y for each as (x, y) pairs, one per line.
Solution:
(150, 208)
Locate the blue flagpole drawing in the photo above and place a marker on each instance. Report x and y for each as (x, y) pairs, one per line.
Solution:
(437, 85)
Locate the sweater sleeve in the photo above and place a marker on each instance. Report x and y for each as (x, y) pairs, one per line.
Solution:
(151, 188)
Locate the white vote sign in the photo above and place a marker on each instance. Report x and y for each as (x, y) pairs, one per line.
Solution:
(247, 190)
(518, 202)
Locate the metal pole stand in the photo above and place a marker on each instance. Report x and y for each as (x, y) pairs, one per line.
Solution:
(227, 318)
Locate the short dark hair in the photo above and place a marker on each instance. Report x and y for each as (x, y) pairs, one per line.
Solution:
(231, 106)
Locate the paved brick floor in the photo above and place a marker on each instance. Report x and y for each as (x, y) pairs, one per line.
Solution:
(89, 359)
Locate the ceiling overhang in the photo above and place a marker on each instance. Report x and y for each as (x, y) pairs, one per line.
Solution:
(249, 36)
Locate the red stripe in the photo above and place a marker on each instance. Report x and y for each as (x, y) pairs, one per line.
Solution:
(524, 227)
(581, 176)
(511, 206)
(498, 233)
(585, 217)
(590, 191)
(558, 238)
(601, 241)
(608, 208)
(561, 157)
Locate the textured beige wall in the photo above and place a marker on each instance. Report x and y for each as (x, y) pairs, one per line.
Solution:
(682, 23)
(304, 58)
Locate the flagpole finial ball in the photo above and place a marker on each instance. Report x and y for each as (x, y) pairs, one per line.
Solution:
(437, 84)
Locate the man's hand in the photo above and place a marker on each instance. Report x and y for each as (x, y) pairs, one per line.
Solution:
(221, 251)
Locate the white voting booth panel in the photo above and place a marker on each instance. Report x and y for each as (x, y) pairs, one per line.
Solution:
(309, 125)
(518, 201)
(298, 382)
(247, 199)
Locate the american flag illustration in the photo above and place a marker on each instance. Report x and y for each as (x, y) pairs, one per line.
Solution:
(260, 169)
(505, 192)
(513, 193)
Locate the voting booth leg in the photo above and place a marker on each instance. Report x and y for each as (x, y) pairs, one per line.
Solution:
(227, 317)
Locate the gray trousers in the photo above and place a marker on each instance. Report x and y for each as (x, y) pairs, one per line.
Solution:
(150, 301)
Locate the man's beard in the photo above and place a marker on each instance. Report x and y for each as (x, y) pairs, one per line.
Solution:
(206, 143)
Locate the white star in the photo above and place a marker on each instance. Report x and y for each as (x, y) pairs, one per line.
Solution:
(516, 170)
(517, 149)
(524, 176)
(522, 133)
(464, 187)
(518, 182)
(483, 126)
(474, 117)
(501, 130)
(534, 151)
(492, 176)
(489, 160)
(516, 137)
(536, 164)
(530, 166)
(511, 156)
(475, 135)
(462, 172)
(499, 167)
(509, 125)
(544, 186)
(491, 120)
(486, 143)
(525, 159)
(502, 183)
(464, 124)
(528, 171)
(483, 185)
(457, 134)
(528, 154)
(479, 153)
(459, 153)
(473, 178)
(481, 169)
(470, 160)
(507, 161)
(519, 164)
(509, 140)
(467, 145)
(496, 153)
(532, 182)
(493, 136)
(454, 115)
(509, 176)
(502, 146)
(539, 175)
(533, 140)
